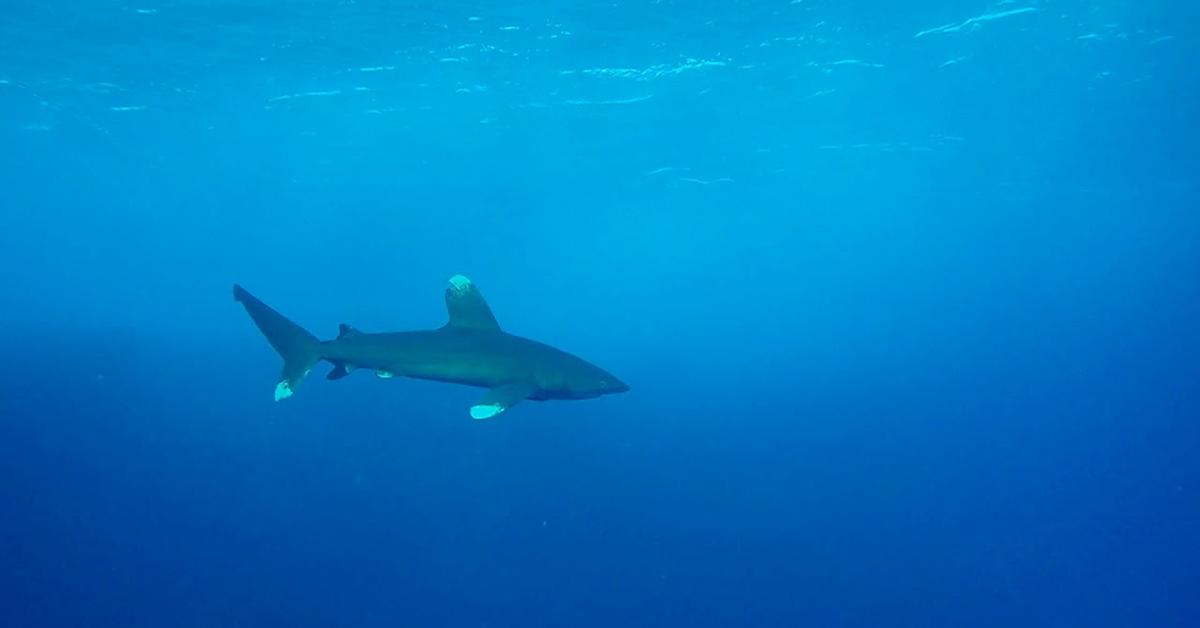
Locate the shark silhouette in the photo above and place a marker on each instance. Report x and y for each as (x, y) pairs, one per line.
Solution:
(469, 349)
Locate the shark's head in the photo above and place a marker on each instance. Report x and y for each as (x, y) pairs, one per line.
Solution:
(579, 379)
(601, 383)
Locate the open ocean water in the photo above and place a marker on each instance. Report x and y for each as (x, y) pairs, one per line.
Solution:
(906, 293)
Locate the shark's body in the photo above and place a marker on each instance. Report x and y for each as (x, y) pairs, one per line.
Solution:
(469, 349)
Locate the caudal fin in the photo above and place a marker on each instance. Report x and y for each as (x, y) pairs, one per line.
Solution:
(299, 349)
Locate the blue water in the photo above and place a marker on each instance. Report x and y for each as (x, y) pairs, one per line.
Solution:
(907, 295)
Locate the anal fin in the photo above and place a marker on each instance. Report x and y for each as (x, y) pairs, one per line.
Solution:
(340, 370)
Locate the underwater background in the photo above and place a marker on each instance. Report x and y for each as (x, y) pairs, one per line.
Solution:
(906, 292)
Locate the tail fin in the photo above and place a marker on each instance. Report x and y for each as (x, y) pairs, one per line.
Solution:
(299, 349)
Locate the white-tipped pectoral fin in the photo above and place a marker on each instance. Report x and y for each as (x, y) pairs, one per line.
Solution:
(485, 411)
(501, 398)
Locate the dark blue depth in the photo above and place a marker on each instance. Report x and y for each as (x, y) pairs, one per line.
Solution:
(906, 295)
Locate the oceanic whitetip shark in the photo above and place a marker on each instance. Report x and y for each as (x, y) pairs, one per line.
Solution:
(469, 349)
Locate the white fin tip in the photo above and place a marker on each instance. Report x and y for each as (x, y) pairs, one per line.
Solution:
(460, 283)
(485, 411)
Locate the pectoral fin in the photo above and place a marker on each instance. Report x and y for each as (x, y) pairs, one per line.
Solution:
(501, 398)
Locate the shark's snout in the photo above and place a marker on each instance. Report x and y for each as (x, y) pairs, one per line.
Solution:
(613, 386)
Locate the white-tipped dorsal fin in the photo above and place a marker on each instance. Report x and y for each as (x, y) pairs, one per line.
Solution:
(467, 308)
(460, 282)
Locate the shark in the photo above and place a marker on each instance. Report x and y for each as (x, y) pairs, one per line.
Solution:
(469, 349)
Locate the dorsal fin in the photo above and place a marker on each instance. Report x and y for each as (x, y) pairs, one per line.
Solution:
(346, 330)
(467, 308)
